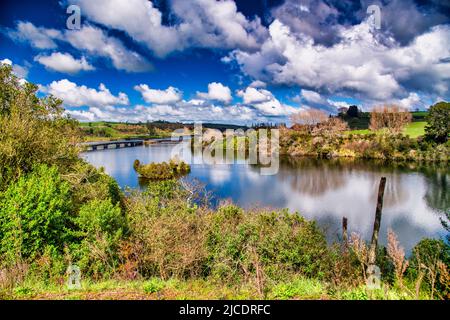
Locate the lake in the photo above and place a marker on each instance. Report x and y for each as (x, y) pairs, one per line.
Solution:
(416, 197)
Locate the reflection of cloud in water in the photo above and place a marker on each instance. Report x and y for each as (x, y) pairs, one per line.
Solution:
(355, 200)
(220, 174)
(253, 175)
(119, 162)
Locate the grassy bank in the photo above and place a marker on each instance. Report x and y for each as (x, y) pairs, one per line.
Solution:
(362, 121)
(413, 130)
(175, 289)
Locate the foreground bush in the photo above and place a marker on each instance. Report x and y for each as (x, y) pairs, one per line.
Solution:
(171, 237)
(89, 183)
(101, 227)
(260, 244)
(165, 236)
(430, 262)
(34, 214)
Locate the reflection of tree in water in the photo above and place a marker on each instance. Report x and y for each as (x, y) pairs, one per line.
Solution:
(437, 196)
(437, 178)
(395, 192)
(314, 177)
(317, 176)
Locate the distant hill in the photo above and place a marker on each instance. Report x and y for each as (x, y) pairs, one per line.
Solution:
(106, 130)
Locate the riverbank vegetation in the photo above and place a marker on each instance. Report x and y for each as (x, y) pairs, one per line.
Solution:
(391, 136)
(166, 242)
(162, 171)
(315, 134)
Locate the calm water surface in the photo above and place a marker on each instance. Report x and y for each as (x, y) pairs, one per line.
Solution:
(416, 197)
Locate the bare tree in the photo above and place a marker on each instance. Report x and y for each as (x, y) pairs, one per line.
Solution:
(307, 119)
(392, 117)
(331, 127)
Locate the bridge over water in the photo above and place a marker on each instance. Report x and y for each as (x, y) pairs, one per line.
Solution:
(103, 145)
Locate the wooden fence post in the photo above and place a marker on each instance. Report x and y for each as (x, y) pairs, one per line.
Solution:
(344, 232)
(377, 222)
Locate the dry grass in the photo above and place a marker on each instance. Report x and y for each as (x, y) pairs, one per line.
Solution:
(397, 255)
(361, 251)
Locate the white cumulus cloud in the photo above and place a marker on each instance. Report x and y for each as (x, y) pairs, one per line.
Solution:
(64, 62)
(89, 39)
(95, 41)
(359, 64)
(40, 38)
(197, 23)
(216, 92)
(169, 96)
(253, 95)
(74, 95)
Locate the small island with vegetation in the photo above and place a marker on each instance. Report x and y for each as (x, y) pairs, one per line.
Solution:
(161, 171)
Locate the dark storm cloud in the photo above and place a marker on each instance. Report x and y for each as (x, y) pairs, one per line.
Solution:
(321, 19)
(405, 19)
(314, 18)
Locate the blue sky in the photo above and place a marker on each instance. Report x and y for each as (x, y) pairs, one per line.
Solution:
(228, 61)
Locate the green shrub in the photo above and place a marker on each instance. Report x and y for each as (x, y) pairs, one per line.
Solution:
(167, 234)
(89, 183)
(356, 294)
(153, 285)
(276, 243)
(438, 126)
(425, 258)
(101, 227)
(32, 130)
(101, 216)
(301, 288)
(23, 291)
(49, 267)
(173, 239)
(35, 213)
(428, 250)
